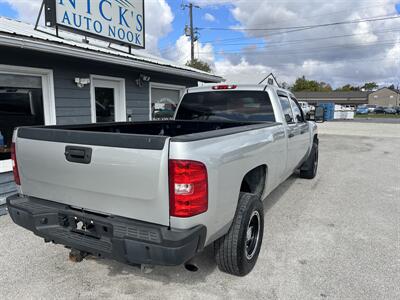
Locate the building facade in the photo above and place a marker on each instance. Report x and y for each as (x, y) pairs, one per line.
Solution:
(385, 97)
(48, 80)
(353, 98)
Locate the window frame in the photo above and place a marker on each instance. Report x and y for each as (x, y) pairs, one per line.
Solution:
(165, 86)
(296, 102)
(49, 106)
(284, 95)
(266, 99)
(116, 83)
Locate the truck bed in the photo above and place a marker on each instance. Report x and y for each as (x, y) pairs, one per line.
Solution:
(118, 169)
(137, 135)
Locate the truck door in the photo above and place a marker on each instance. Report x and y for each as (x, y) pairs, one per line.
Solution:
(302, 128)
(293, 130)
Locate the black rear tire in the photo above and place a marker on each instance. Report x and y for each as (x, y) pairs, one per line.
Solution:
(236, 253)
(310, 167)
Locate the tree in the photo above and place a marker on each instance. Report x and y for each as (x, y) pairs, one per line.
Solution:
(348, 88)
(392, 87)
(370, 86)
(302, 84)
(200, 65)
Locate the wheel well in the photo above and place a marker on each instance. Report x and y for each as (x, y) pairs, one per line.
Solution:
(316, 140)
(254, 181)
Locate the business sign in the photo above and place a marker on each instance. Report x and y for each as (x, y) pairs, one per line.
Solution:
(118, 21)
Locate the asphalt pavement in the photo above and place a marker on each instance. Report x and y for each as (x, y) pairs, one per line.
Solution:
(335, 237)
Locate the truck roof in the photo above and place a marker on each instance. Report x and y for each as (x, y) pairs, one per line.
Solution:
(235, 87)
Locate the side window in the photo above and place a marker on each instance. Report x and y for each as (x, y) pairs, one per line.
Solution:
(298, 114)
(287, 110)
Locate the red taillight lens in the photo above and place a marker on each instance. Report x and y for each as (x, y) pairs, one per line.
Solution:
(188, 188)
(224, 87)
(15, 164)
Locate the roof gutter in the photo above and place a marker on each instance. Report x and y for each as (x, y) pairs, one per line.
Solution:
(77, 52)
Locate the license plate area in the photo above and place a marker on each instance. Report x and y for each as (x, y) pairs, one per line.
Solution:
(86, 226)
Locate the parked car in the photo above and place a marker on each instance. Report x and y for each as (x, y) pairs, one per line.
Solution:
(390, 110)
(371, 108)
(397, 109)
(379, 110)
(159, 192)
(362, 110)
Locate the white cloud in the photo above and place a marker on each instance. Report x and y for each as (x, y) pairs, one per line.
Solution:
(181, 51)
(365, 52)
(209, 17)
(28, 10)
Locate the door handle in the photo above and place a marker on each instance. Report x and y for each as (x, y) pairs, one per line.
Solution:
(80, 155)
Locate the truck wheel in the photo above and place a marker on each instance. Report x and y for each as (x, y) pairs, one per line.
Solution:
(236, 253)
(310, 167)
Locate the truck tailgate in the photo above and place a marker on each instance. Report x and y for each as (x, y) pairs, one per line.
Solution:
(128, 180)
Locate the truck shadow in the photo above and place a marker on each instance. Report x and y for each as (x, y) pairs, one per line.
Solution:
(277, 194)
(204, 261)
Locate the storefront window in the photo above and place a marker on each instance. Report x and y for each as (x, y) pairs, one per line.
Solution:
(21, 104)
(164, 103)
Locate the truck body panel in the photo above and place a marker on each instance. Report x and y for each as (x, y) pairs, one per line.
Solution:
(120, 171)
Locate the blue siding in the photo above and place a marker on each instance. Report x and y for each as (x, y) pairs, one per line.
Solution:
(73, 103)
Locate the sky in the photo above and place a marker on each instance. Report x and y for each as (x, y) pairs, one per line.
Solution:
(352, 53)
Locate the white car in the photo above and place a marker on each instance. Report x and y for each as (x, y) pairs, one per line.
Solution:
(305, 107)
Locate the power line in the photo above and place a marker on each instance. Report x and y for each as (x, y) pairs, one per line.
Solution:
(305, 27)
(307, 50)
(301, 41)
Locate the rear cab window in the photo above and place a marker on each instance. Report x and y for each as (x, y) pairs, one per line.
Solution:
(242, 106)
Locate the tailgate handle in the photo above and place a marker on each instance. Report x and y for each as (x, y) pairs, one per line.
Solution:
(80, 155)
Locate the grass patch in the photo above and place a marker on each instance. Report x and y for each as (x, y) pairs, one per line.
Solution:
(377, 116)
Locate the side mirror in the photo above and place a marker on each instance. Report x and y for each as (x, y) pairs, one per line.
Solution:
(288, 118)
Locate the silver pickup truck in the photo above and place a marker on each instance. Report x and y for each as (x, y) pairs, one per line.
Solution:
(157, 193)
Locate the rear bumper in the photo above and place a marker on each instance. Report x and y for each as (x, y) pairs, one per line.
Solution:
(118, 238)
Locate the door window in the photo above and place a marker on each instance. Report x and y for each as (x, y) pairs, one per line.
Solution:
(286, 108)
(21, 104)
(164, 103)
(297, 111)
(105, 104)
(108, 99)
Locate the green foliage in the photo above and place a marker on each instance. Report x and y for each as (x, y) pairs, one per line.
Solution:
(348, 88)
(370, 86)
(302, 84)
(200, 65)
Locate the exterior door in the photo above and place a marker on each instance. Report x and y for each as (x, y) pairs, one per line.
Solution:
(108, 99)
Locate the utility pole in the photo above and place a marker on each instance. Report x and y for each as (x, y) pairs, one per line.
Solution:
(190, 30)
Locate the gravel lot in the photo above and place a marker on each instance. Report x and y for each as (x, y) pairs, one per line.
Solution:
(336, 237)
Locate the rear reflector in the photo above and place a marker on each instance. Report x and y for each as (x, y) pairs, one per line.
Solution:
(15, 164)
(188, 188)
(224, 87)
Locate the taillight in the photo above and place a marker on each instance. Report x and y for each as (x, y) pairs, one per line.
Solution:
(188, 188)
(15, 164)
(224, 87)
